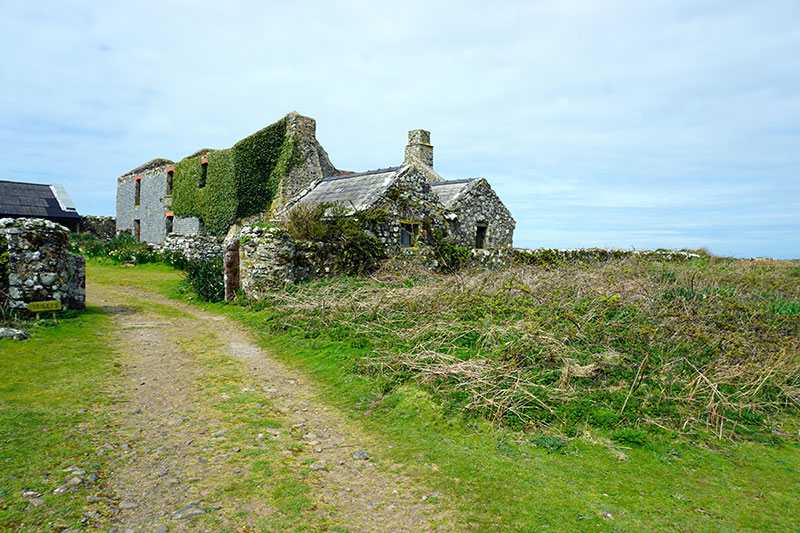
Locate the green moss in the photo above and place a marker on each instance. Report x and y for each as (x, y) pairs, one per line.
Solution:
(240, 181)
(3, 263)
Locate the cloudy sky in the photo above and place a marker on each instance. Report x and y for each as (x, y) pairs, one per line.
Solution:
(621, 124)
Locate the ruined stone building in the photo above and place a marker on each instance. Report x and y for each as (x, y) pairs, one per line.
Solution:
(264, 176)
(417, 201)
(204, 193)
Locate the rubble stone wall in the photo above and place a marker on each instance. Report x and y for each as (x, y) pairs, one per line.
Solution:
(104, 228)
(40, 267)
(194, 247)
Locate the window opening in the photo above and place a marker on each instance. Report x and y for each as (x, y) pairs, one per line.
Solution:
(138, 191)
(169, 224)
(170, 171)
(408, 234)
(201, 227)
(480, 236)
(137, 230)
(203, 171)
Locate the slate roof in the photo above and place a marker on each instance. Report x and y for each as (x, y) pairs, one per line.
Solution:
(449, 191)
(35, 200)
(357, 191)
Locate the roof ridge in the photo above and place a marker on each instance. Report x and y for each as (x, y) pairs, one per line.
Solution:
(365, 173)
(454, 182)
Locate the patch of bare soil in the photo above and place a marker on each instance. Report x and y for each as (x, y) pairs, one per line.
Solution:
(172, 452)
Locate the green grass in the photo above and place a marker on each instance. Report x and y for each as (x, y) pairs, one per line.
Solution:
(50, 399)
(604, 476)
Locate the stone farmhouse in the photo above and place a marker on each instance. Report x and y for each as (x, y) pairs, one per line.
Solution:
(467, 211)
(265, 176)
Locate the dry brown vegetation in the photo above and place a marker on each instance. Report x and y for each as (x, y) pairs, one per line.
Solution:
(706, 345)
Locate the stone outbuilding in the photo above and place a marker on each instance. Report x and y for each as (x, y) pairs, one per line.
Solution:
(34, 200)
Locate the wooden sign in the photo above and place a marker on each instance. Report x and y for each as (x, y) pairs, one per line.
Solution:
(38, 307)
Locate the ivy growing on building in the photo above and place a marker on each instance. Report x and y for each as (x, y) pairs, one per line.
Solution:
(239, 182)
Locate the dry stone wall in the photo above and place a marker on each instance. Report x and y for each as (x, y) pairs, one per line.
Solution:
(40, 267)
(269, 258)
(193, 247)
(104, 228)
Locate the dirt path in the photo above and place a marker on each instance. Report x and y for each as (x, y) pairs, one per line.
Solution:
(181, 462)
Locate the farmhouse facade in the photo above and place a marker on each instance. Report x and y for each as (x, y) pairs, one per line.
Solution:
(204, 193)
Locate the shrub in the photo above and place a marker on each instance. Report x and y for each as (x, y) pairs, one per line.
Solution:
(550, 443)
(327, 222)
(206, 279)
(121, 249)
(630, 436)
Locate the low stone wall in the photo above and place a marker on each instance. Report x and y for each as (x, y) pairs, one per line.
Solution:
(39, 266)
(574, 255)
(269, 258)
(193, 247)
(104, 228)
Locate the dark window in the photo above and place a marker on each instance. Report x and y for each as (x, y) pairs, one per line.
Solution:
(137, 230)
(480, 236)
(201, 230)
(203, 173)
(138, 193)
(408, 234)
(170, 221)
(169, 183)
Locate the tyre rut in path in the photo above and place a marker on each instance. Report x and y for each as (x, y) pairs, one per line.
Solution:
(173, 454)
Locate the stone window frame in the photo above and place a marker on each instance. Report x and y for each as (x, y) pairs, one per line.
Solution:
(203, 172)
(480, 236)
(137, 191)
(169, 223)
(409, 231)
(170, 174)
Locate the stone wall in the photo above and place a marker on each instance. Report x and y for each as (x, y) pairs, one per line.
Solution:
(193, 247)
(40, 267)
(577, 255)
(312, 160)
(104, 228)
(269, 258)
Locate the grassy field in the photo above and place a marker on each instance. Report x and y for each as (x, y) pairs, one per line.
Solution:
(677, 408)
(51, 403)
(381, 349)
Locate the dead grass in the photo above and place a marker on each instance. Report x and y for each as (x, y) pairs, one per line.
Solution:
(684, 346)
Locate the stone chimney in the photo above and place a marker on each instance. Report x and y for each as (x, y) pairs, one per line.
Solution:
(419, 147)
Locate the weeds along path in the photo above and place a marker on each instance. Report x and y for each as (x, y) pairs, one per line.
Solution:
(215, 435)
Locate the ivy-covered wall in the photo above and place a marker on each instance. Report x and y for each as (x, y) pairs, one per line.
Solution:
(239, 181)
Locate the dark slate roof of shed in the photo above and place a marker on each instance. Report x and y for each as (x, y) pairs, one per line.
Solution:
(34, 200)
(357, 191)
(449, 191)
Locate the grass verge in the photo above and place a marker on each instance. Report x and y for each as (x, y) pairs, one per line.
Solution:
(51, 394)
